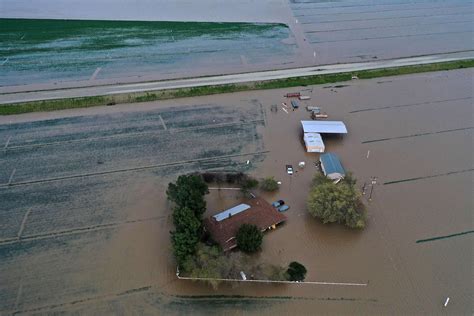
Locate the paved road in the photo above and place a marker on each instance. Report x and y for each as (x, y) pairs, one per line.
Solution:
(60, 92)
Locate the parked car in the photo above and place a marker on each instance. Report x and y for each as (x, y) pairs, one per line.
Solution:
(289, 169)
(278, 203)
(294, 104)
(283, 208)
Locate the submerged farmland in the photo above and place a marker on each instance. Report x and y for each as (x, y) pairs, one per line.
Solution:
(33, 51)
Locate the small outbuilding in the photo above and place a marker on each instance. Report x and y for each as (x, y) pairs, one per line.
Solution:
(314, 143)
(332, 167)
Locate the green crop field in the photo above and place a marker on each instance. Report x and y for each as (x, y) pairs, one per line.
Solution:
(34, 51)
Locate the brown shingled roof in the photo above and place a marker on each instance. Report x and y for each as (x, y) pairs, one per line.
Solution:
(261, 214)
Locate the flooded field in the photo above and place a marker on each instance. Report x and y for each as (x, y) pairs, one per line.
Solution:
(266, 11)
(316, 33)
(33, 51)
(347, 31)
(85, 223)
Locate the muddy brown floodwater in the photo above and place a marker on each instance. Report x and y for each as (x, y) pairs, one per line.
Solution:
(97, 242)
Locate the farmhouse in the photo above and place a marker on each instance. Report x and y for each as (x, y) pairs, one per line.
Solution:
(223, 227)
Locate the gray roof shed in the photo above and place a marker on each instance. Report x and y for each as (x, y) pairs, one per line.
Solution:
(332, 166)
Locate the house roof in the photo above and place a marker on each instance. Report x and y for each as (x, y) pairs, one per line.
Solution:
(260, 213)
(324, 127)
(331, 164)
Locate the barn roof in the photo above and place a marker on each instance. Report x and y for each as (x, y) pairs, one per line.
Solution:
(324, 127)
(331, 164)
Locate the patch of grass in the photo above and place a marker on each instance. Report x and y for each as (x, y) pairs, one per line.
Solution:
(61, 104)
(387, 72)
(93, 35)
(146, 97)
(304, 81)
(53, 105)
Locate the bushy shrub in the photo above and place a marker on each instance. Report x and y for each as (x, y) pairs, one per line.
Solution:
(249, 238)
(235, 178)
(249, 184)
(269, 184)
(208, 177)
(208, 262)
(296, 271)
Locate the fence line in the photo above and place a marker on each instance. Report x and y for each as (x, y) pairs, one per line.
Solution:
(271, 281)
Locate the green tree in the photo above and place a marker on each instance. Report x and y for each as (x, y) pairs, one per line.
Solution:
(188, 195)
(189, 191)
(185, 220)
(184, 245)
(269, 184)
(336, 203)
(187, 234)
(209, 263)
(350, 180)
(320, 179)
(249, 238)
(296, 271)
(249, 184)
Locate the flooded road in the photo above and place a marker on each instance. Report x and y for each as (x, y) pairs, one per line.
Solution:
(318, 33)
(85, 222)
